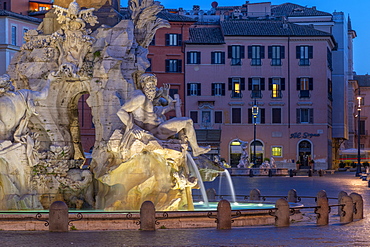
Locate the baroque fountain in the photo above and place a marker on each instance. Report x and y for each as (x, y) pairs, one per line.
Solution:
(135, 157)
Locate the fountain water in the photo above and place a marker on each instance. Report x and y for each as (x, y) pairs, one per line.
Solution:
(231, 185)
(199, 177)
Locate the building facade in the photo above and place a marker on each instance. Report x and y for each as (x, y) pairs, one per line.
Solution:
(265, 75)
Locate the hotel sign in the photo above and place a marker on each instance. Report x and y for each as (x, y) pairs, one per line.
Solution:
(303, 135)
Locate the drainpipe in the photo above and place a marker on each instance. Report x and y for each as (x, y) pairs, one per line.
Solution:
(288, 81)
(184, 66)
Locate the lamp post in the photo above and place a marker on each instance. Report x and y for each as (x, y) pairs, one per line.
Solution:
(255, 114)
(358, 167)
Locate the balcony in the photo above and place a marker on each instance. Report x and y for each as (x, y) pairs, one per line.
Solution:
(235, 94)
(256, 94)
(304, 62)
(236, 62)
(256, 62)
(304, 94)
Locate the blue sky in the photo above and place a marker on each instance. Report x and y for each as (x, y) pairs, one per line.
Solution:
(358, 10)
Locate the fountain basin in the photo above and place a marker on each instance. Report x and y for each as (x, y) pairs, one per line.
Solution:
(98, 220)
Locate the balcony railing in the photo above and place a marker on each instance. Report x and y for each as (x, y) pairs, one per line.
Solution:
(304, 94)
(256, 94)
(236, 94)
(236, 62)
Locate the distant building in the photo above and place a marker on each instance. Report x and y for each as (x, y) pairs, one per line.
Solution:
(13, 26)
(339, 57)
(167, 55)
(27, 7)
(275, 65)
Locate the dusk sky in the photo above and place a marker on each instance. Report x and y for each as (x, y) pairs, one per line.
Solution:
(358, 10)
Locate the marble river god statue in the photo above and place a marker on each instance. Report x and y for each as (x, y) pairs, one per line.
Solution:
(135, 155)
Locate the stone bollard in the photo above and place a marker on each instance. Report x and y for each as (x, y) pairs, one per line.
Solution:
(346, 215)
(270, 172)
(282, 214)
(321, 172)
(358, 202)
(58, 217)
(321, 193)
(323, 208)
(340, 195)
(223, 215)
(211, 194)
(292, 196)
(255, 195)
(147, 216)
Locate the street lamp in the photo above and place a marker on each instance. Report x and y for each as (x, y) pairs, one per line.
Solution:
(358, 168)
(255, 114)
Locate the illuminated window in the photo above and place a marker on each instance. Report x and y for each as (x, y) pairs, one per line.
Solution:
(276, 86)
(277, 151)
(236, 85)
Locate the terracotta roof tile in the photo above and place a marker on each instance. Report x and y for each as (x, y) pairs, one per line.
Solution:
(206, 35)
(267, 28)
(19, 16)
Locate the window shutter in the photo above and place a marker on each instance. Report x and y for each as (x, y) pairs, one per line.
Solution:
(230, 84)
(242, 51)
(249, 52)
(198, 57)
(269, 52)
(262, 51)
(298, 112)
(179, 65)
(270, 84)
(213, 57)
(199, 89)
(262, 115)
(250, 117)
(298, 84)
(311, 115)
(167, 65)
(188, 56)
(223, 89)
(310, 83)
(310, 52)
(250, 84)
(242, 84)
(262, 83)
(213, 89)
(298, 52)
(282, 83)
(282, 52)
(167, 39)
(188, 87)
(223, 57)
(230, 51)
(179, 39)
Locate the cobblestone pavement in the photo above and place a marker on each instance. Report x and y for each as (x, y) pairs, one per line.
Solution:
(304, 233)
